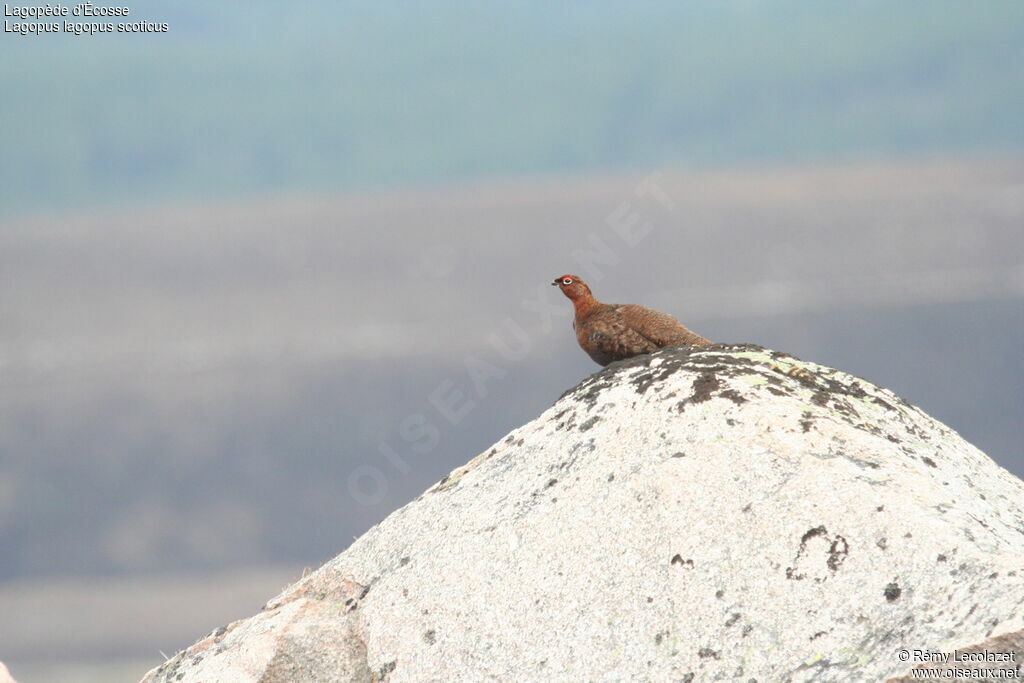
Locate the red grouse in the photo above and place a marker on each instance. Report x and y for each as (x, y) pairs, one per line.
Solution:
(610, 332)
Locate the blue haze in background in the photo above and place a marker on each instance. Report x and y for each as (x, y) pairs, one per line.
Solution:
(243, 98)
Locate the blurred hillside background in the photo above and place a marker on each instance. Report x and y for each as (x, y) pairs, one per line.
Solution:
(249, 266)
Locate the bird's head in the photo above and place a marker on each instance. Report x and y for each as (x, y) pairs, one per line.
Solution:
(572, 286)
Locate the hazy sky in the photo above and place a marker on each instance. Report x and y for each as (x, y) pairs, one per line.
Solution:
(241, 100)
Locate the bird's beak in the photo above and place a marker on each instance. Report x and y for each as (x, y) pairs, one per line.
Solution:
(556, 283)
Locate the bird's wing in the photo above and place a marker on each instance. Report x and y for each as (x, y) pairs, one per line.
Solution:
(607, 337)
(659, 328)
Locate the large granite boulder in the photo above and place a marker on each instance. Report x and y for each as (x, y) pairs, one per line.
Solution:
(716, 513)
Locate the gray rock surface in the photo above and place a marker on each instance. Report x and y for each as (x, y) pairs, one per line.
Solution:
(720, 513)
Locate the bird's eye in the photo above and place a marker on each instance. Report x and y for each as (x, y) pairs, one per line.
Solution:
(567, 281)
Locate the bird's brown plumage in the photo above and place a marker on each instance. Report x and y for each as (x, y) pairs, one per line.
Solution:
(610, 332)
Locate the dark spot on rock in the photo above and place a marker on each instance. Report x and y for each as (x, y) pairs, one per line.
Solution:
(883, 403)
(719, 594)
(846, 409)
(430, 637)
(928, 461)
(704, 387)
(386, 669)
(993, 575)
(589, 423)
(892, 592)
(611, 477)
(552, 482)
(731, 422)
(820, 398)
(732, 619)
(818, 635)
(658, 638)
(404, 561)
(221, 631)
(748, 507)
(882, 543)
(687, 678)
(776, 391)
(733, 396)
(677, 559)
(645, 379)
(747, 629)
(707, 652)
(837, 552)
(879, 508)
(679, 454)
(650, 600)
